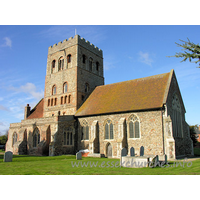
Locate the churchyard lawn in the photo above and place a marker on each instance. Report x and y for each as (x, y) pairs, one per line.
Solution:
(65, 164)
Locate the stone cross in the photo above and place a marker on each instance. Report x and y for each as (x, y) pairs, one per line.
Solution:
(123, 152)
(78, 156)
(8, 156)
(132, 151)
(141, 151)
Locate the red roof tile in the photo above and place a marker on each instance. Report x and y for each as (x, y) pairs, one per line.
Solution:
(138, 94)
(37, 111)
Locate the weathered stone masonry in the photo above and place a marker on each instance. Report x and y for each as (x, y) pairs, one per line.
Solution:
(80, 112)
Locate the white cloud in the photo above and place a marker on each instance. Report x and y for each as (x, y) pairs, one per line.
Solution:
(4, 126)
(7, 43)
(3, 108)
(29, 88)
(145, 58)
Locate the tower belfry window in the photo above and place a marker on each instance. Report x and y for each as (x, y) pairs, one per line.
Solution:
(53, 64)
(61, 64)
(90, 64)
(84, 59)
(69, 58)
(97, 66)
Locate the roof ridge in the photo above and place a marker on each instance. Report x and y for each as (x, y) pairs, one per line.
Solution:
(147, 77)
(37, 104)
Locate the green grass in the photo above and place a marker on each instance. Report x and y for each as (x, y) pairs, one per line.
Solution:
(60, 165)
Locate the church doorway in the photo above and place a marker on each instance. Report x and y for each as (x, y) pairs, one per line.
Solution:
(109, 150)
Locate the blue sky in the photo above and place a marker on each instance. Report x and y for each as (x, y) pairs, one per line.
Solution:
(129, 52)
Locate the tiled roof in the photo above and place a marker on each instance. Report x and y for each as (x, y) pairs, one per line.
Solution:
(37, 111)
(139, 94)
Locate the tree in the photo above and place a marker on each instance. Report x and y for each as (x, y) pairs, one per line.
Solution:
(193, 134)
(193, 51)
(4, 138)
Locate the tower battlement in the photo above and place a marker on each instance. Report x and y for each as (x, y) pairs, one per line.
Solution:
(74, 41)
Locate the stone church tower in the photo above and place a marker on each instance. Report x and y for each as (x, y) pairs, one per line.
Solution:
(79, 112)
(74, 69)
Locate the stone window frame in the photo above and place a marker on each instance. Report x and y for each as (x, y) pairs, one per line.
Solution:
(69, 58)
(97, 66)
(177, 116)
(109, 129)
(14, 138)
(133, 118)
(36, 137)
(69, 98)
(64, 85)
(49, 102)
(53, 65)
(61, 100)
(68, 136)
(87, 87)
(61, 63)
(54, 92)
(84, 134)
(84, 59)
(91, 64)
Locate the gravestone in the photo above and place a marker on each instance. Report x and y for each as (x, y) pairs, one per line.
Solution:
(141, 151)
(123, 152)
(78, 156)
(132, 151)
(8, 156)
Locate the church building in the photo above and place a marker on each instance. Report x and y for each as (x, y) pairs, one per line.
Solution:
(79, 112)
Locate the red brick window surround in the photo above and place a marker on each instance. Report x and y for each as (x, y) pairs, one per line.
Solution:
(54, 90)
(65, 87)
(14, 138)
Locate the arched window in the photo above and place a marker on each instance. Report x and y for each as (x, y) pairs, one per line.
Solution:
(69, 57)
(61, 64)
(36, 137)
(90, 64)
(97, 66)
(86, 87)
(51, 102)
(134, 127)
(69, 99)
(61, 100)
(14, 138)
(83, 59)
(65, 99)
(55, 102)
(84, 130)
(109, 129)
(53, 64)
(68, 136)
(65, 87)
(53, 90)
(176, 117)
(48, 102)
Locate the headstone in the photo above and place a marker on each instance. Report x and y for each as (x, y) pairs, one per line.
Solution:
(123, 152)
(132, 151)
(78, 156)
(8, 156)
(141, 151)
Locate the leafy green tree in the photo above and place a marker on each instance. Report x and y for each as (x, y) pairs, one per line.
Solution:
(193, 134)
(191, 51)
(4, 138)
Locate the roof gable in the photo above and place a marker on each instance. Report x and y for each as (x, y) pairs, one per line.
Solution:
(139, 94)
(37, 111)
